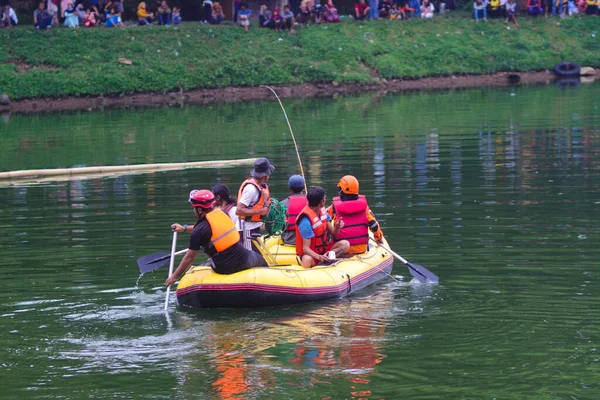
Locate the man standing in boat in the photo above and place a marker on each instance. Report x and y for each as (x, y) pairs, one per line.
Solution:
(295, 202)
(254, 200)
(217, 235)
(358, 217)
(315, 234)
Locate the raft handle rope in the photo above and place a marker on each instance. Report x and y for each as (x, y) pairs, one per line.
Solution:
(292, 133)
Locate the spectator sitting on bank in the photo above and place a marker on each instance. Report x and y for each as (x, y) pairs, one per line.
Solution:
(80, 11)
(395, 13)
(42, 18)
(176, 15)
(572, 8)
(91, 18)
(479, 10)
(71, 18)
(331, 13)
(495, 8)
(9, 18)
(592, 7)
(303, 16)
(406, 10)
(316, 12)
(384, 8)
(164, 14)
(511, 12)
(264, 16)
(244, 16)
(534, 7)
(206, 11)
(427, 10)
(113, 19)
(581, 6)
(288, 19)
(361, 10)
(144, 17)
(277, 19)
(217, 15)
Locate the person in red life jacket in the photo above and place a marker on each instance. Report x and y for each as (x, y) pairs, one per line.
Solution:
(254, 200)
(358, 217)
(295, 202)
(216, 234)
(314, 232)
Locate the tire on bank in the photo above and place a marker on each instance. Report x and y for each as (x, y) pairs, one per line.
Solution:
(567, 69)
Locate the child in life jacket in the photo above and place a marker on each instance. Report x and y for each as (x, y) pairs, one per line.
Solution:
(356, 214)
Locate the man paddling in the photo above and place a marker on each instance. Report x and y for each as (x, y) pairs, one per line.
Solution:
(358, 218)
(254, 200)
(315, 234)
(216, 233)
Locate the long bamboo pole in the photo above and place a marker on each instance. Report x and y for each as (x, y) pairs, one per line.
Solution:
(36, 173)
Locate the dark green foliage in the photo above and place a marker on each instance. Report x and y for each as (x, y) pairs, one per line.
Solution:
(83, 61)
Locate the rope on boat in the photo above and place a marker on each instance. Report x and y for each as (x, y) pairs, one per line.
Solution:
(275, 220)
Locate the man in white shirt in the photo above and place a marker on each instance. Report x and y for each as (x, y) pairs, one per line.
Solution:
(254, 200)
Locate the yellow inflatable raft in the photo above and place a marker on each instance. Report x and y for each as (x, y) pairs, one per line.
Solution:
(285, 283)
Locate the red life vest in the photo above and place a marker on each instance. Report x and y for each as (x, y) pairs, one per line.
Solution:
(296, 204)
(322, 240)
(263, 201)
(354, 215)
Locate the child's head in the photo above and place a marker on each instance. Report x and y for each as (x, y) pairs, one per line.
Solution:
(286, 8)
(263, 6)
(244, 6)
(176, 9)
(163, 3)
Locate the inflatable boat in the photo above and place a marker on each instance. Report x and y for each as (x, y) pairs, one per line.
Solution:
(284, 283)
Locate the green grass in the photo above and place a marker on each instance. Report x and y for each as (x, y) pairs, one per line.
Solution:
(82, 62)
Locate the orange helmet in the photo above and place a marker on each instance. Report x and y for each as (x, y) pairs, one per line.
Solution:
(348, 184)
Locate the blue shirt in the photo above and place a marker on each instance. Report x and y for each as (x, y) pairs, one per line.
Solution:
(305, 228)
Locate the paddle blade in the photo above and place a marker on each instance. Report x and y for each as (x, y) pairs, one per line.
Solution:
(153, 261)
(422, 274)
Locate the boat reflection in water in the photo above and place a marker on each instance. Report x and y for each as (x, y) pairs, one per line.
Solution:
(261, 356)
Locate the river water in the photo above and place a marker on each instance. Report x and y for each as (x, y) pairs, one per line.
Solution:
(497, 191)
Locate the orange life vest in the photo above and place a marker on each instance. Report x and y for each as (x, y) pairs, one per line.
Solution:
(322, 239)
(356, 223)
(296, 204)
(263, 201)
(224, 232)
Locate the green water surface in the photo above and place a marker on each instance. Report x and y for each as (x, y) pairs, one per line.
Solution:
(497, 191)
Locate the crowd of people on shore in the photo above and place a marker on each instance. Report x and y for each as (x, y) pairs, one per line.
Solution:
(92, 13)
(225, 228)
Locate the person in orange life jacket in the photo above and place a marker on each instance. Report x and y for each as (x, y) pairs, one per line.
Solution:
(314, 232)
(254, 200)
(294, 204)
(357, 216)
(216, 234)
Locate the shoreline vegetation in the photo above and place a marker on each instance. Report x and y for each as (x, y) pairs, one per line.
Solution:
(63, 69)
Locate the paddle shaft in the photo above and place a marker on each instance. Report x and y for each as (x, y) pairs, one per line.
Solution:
(171, 263)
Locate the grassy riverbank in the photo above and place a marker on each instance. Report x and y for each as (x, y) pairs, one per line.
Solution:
(78, 62)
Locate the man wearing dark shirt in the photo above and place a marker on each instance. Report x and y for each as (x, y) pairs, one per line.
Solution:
(217, 235)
